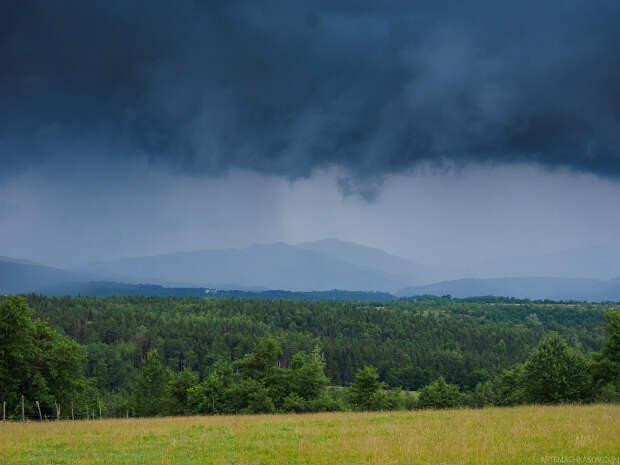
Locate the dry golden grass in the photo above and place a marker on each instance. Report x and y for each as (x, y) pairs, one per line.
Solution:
(539, 434)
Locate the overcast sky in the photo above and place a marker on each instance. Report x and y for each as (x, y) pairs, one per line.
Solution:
(441, 131)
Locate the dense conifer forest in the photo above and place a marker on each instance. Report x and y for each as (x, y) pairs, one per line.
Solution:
(183, 355)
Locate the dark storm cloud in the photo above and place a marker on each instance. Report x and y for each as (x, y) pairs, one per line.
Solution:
(284, 87)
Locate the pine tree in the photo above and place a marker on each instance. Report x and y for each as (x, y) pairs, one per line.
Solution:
(365, 392)
(150, 390)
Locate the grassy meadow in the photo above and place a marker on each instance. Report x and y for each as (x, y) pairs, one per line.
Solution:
(535, 434)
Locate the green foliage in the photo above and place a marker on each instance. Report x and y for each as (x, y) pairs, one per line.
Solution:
(440, 394)
(18, 348)
(259, 385)
(510, 387)
(394, 399)
(482, 396)
(150, 392)
(258, 399)
(214, 395)
(35, 361)
(65, 360)
(365, 393)
(554, 373)
(609, 392)
(260, 363)
(307, 374)
(410, 342)
(172, 356)
(606, 366)
(177, 392)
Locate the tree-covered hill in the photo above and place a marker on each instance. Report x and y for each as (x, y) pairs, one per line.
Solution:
(166, 355)
(410, 342)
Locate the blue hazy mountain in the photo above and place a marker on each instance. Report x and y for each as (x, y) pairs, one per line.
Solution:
(523, 287)
(583, 274)
(303, 267)
(20, 276)
(106, 288)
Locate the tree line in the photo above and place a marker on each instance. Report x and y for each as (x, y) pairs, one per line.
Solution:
(173, 356)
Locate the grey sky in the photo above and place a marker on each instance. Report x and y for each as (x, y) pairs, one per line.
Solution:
(108, 212)
(285, 87)
(444, 131)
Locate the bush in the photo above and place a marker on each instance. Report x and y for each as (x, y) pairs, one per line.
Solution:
(610, 393)
(482, 396)
(394, 399)
(440, 394)
(326, 403)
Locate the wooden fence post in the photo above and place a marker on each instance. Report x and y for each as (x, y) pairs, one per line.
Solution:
(72, 417)
(99, 403)
(23, 415)
(87, 412)
(57, 411)
(4, 411)
(39, 409)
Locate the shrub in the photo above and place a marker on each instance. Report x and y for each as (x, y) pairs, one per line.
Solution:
(440, 394)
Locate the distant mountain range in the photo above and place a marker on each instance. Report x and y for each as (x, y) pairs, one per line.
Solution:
(524, 288)
(20, 276)
(317, 267)
(601, 262)
(312, 266)
(106, 288)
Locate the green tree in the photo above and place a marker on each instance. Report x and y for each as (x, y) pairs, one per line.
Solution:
(149, 393)
(18, 348)
(509, 387)
(177, 392)
(65, 363)
(440, 394)
(365, 393)
(606, 366)
(259, 401)
(307, 373)
(555, 373)
(261, 362)
(482, 396)
(35, 361)
(395, 399)
(214, 395)
(251, 396)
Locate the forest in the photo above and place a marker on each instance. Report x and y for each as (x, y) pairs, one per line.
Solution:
(148, 356)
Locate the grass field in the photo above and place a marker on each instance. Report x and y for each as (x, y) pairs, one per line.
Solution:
(565, 434)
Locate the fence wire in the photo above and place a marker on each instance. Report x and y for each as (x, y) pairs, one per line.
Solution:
(80, 412)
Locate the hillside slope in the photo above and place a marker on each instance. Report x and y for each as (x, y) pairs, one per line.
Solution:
(17, 276)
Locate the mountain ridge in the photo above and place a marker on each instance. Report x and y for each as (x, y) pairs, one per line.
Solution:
(527, 287)
(22, 276)
(308, 267)
(271, 266)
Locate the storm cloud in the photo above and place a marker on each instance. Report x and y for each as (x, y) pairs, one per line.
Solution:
(287, 87)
